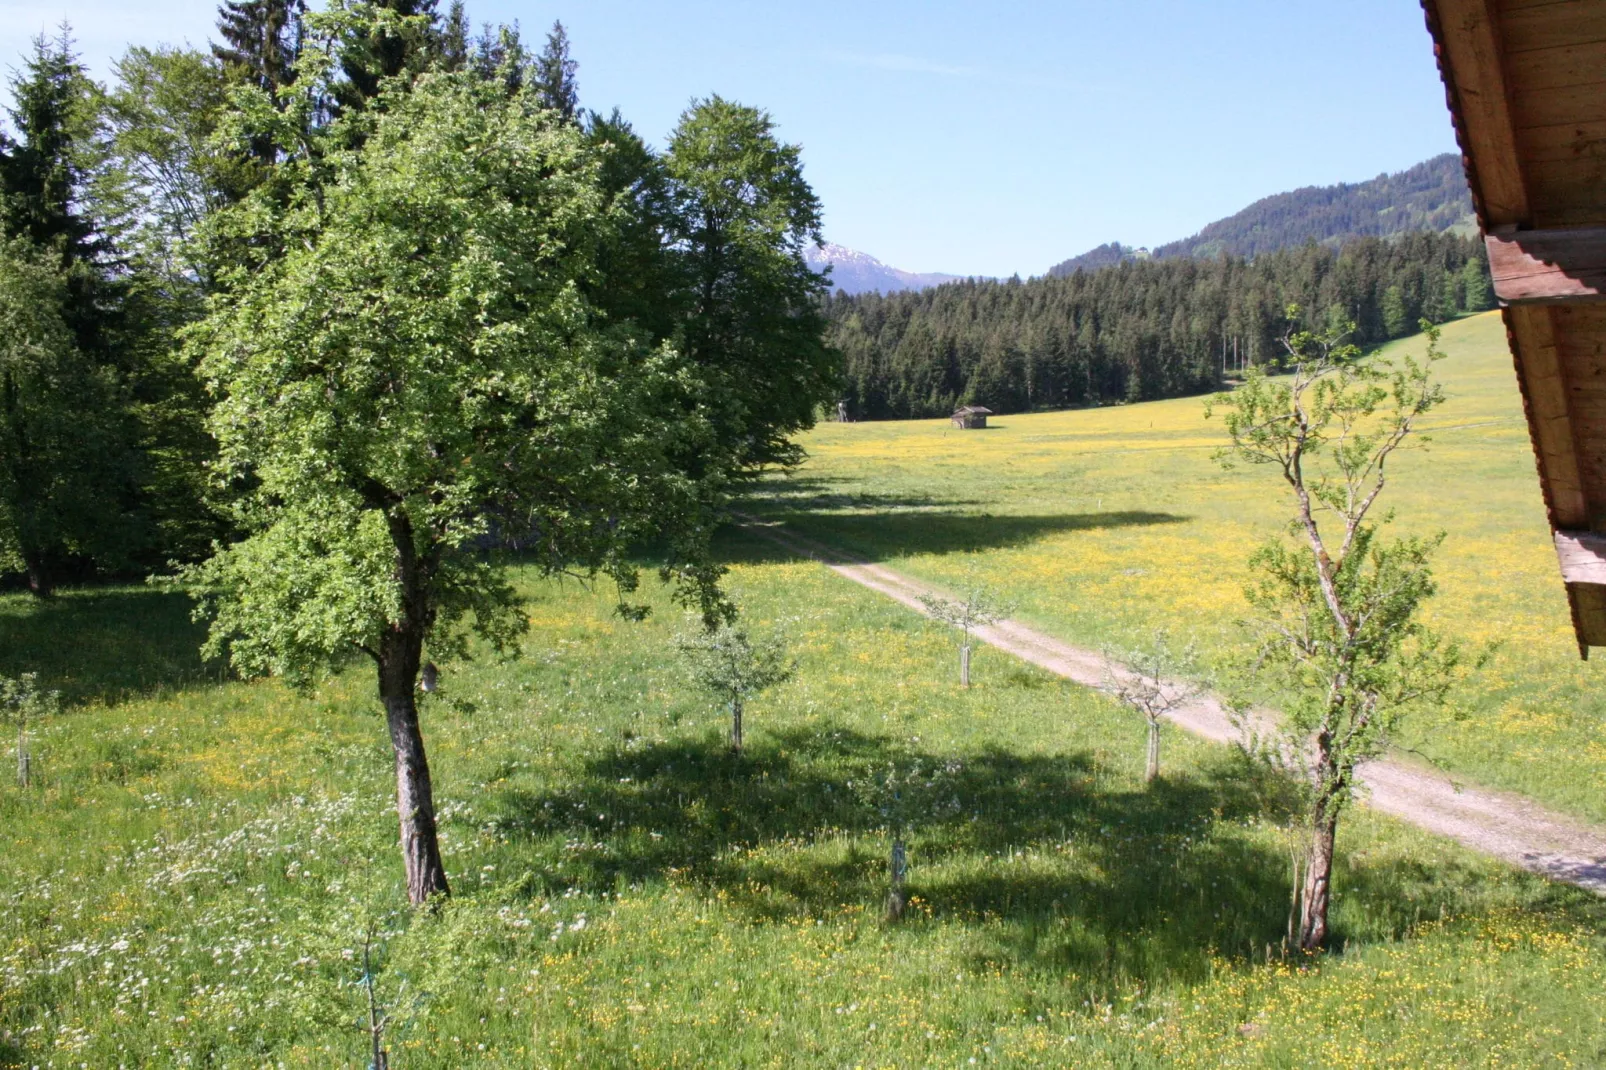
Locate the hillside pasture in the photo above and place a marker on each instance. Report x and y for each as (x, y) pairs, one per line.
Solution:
(1104, 524)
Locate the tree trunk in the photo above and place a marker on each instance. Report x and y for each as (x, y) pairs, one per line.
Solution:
(1318, 878)
(736, 724)
(1152, 768)
(898, 872)
(964, 664)
(415, 799)
(39, 581)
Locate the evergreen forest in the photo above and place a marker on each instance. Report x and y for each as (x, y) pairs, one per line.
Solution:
(1137, 330)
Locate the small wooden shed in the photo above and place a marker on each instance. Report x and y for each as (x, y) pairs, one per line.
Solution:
(1526, 82)
(971, 417)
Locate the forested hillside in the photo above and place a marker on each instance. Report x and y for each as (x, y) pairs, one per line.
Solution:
(1432, 196)
(1140, 330)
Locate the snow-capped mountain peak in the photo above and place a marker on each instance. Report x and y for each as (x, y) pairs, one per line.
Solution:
(855, 272)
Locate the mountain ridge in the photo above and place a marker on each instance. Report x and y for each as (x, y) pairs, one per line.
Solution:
(855, 272)
(1430, 196)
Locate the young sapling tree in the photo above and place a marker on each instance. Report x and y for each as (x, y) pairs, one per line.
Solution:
(1153, 681)
(378, 1017)
(1336, 611)
(23, 703)
(903, 792)
(728, 662)
(976, 607)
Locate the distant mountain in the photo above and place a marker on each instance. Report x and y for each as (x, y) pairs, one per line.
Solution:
(1432, 196)
(858, 273)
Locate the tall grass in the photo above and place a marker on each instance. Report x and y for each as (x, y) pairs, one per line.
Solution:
(192, 881)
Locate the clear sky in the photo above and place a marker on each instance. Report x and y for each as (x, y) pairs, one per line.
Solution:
(979, 138)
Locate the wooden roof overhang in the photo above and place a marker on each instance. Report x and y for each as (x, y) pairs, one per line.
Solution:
(1526, 84)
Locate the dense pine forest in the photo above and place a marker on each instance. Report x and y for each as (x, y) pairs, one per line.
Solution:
(1138, 330)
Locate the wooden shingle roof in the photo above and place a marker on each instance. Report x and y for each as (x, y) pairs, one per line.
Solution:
(1526, 85)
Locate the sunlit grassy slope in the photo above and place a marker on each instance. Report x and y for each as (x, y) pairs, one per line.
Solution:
(190, 882)
(1106, 523)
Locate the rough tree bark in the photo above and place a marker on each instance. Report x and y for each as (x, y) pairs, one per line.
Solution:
(40, 584)
(400, 656)
(736, 724)
(898, 871)
(1318, 878)
(415, 799)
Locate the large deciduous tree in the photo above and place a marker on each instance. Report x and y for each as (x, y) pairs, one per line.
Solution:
(1337, 611)
(411, 371)
(753, 322)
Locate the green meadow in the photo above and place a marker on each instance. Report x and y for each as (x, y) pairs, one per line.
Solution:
(194, 877)
(1105, 524)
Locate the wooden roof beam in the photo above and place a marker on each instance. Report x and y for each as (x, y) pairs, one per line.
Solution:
(1467, 42)
(1547, 266)
(1544, 393)
(1583, 557)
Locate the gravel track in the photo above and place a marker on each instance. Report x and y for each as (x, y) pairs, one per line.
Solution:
(1505, 826)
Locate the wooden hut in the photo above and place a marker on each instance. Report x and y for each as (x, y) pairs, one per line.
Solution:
(1526, 84)
(971, 417)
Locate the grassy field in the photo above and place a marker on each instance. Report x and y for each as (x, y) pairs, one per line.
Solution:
(1106, 523)
(192, 881)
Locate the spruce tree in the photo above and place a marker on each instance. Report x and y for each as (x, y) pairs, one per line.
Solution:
(43, 172)
(260, 40)
(373, 54)
(554, 75)
(455, 38)
(64, 446)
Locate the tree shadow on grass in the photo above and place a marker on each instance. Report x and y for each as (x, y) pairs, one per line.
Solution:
(884, 535)
(104, 644)
(815, 493)
(1051, 869)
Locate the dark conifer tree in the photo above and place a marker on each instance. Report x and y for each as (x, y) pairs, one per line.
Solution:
(455, 38)
(500, 55)
(66, 452)
(554, 75)
(260, 40)
(43, 170)
(369, 58)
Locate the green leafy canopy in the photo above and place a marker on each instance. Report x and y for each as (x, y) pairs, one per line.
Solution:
(417, 375)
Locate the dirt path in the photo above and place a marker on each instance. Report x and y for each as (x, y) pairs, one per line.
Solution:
(1508, 827)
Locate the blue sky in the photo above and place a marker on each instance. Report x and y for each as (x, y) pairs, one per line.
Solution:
(973, 138)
